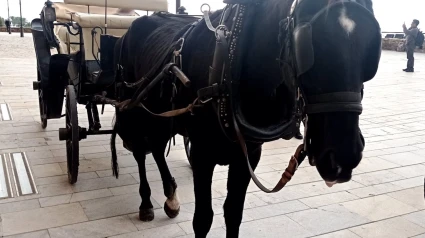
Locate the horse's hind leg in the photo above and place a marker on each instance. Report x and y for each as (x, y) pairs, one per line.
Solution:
(172, 204)
(146, 212)
(203, 169)
(237, 185)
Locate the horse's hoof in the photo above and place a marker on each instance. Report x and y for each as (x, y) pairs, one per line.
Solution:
(170, 212)
(146, 214)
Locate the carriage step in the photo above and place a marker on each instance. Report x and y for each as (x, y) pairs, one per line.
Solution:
(35, 85)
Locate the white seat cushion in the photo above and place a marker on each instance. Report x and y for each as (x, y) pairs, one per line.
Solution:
(114, 22)
(118, 20)
(147, 5)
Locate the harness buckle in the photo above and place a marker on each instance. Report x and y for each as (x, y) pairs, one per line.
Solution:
(177, 52)
(221, 28)
(205, 5)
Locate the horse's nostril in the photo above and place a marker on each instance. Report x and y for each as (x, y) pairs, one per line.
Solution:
(312, 161)
(332, 159)
(334, 164)
(339, 170)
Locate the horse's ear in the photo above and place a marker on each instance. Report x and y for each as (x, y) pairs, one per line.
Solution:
(373, 58)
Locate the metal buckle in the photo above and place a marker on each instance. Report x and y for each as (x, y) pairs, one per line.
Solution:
(181, 41)
(205, 5)
(222, 28)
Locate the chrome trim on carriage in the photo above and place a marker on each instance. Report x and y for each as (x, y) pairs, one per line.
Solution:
(6, 115)
(5, 184)
(22, 175)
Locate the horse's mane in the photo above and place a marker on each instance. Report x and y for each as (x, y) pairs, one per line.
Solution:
(159, 44)
(278, 8)
(367, 3)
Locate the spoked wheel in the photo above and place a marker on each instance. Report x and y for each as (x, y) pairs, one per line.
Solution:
(71, 134)
(41, 104)
(187, 147)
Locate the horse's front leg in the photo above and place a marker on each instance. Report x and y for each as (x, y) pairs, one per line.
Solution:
(237, 185)
(172, 204)
(203, 169)
(146, 212)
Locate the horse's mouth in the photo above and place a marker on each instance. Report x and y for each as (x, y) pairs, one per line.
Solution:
(330, 184)
(334, 175)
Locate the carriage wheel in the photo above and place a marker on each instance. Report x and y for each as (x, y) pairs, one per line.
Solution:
(187, 147)
(72, 137)
(41, 104)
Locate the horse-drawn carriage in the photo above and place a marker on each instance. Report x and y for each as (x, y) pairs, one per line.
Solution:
(252, 83)
(74, 43)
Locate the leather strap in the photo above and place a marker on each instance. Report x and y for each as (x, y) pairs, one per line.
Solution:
(333, 107)
(334, 102)
(172, 113)
(211, 91)
(122, 106)
(294, 163)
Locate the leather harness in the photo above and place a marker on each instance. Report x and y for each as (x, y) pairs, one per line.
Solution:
(224, 77)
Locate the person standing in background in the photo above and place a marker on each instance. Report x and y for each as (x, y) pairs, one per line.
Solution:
(7, 22)
(410, 43)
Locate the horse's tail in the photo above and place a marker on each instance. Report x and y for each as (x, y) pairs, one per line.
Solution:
(114, 162)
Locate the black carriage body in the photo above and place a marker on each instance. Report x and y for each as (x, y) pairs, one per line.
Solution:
(93, 77)
(72, 73)
(55, 71)
(51, 73)
(63, 73)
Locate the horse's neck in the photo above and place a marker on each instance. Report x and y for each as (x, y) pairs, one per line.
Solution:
(262, 47)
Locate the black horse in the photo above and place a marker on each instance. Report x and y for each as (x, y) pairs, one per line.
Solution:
(333, 49)
(141, 132)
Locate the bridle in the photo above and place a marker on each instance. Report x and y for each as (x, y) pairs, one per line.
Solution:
(297, 52)
(298, 44)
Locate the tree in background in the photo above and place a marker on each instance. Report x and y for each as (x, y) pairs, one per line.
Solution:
(2, 21)
(16, 21)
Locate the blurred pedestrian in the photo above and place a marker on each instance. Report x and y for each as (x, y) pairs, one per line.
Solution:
(7, 22)
(410, 42)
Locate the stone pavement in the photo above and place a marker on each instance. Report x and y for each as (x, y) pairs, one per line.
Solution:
(384, 199)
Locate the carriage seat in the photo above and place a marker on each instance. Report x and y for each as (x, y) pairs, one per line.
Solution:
(117, 26)
(118, 21)
(114, 21)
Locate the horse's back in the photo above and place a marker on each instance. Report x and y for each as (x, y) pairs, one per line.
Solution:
(149, 40)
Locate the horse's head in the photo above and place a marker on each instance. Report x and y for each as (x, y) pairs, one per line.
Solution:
(335, 48)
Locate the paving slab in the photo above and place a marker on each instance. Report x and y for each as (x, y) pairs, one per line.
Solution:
(42, 218)
(391, 228)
